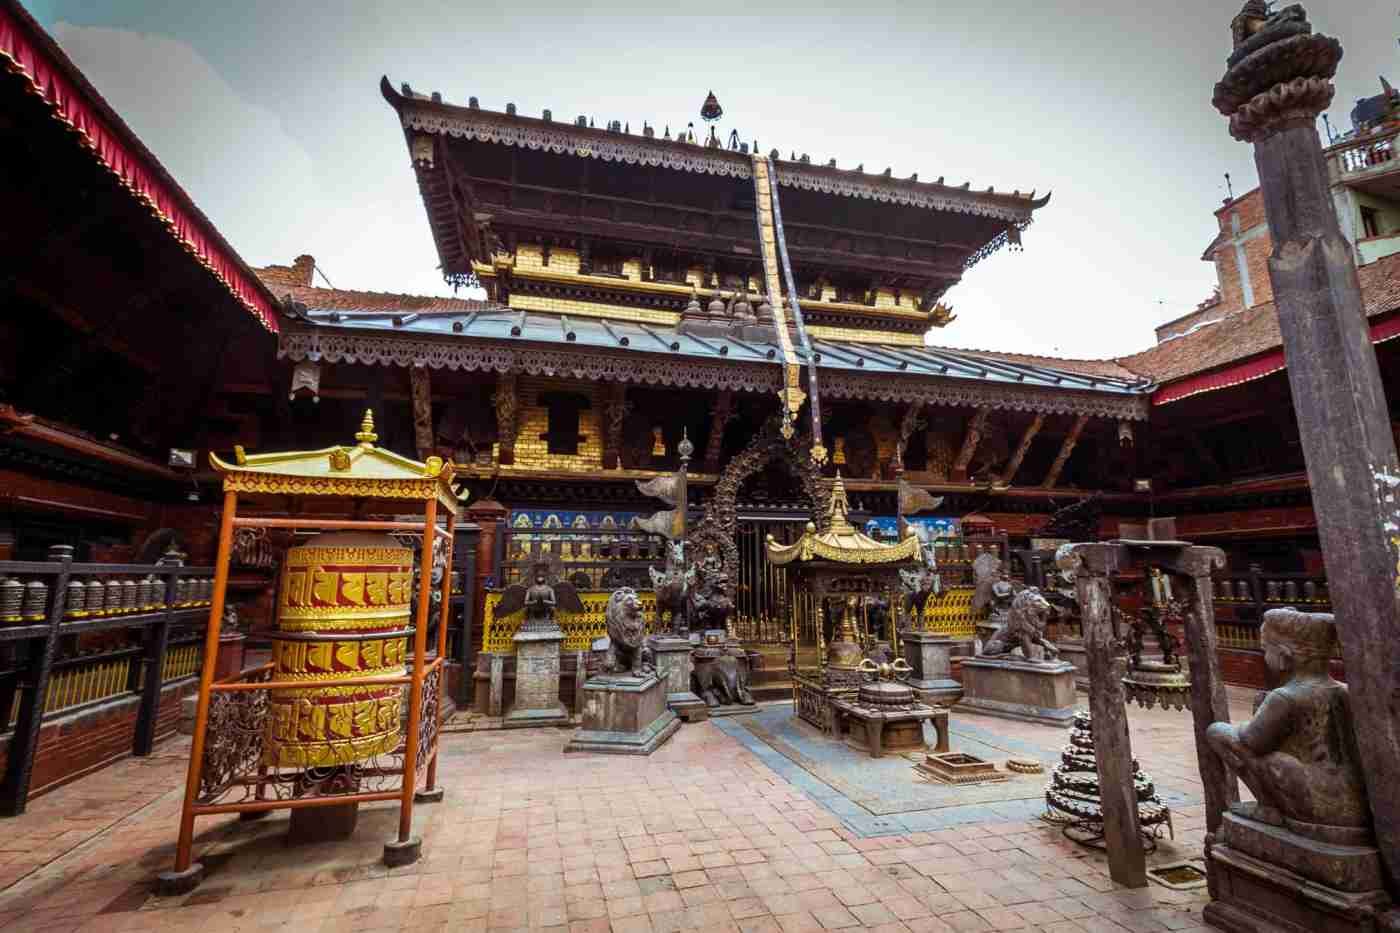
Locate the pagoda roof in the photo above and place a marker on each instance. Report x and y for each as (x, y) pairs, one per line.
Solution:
(360, 471)
(495, 338)
(841, 542)
(430, 114)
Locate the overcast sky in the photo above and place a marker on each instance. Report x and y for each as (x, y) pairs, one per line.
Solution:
(270, 116)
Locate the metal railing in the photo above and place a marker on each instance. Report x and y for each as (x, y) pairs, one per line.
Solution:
(78, 634)
(1364, 153)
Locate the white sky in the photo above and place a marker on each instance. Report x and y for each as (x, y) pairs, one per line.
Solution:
(269, 114)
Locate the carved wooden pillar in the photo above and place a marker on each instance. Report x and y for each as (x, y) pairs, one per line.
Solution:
(1335, 380)
(422, 391)
(722, 414)
(1113, 749)
(1014, 464)
(975, 427)
(507, 415)
(1066, 448)
(490, 516)
(615, 410)
(908, 424)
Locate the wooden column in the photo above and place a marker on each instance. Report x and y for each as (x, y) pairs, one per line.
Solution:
(38, 655)
(1014, 463)
(1208, 700)
(422, 391)
(720, 416)
(971, 439)
(507, 417)
(1336, 384)
(615, 410)
(1113, 749)
(157, 641)
(1066, 448)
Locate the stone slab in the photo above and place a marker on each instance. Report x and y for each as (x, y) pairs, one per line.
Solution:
(1073, 652)
(673, 666)
(1345, 868)
(1021, 690)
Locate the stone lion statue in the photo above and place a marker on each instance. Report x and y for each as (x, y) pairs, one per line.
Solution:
(1024, 627)
(626, 651)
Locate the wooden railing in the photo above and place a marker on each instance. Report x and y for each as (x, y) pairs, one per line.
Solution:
(74, 635)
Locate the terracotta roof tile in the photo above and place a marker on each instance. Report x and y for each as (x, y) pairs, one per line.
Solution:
(1253, 331)
(1108, 368)
(279, 280)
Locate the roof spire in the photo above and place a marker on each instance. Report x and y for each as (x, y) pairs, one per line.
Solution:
(366, 435)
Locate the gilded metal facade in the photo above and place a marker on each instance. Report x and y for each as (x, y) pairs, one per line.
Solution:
(580, 629)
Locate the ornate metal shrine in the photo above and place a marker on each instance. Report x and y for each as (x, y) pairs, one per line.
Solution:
(322, 725)
(842, 569)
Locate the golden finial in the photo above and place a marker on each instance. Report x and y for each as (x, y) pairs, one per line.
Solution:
(366, 435)
(839, 506)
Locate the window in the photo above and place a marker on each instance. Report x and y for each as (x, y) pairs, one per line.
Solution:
(1370, 222)
(562, 436)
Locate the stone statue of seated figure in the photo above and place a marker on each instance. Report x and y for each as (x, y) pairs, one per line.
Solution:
(1298, 754)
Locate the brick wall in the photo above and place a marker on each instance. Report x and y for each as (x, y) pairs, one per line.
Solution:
(76, 744)
(1249, 209)
(531, 451)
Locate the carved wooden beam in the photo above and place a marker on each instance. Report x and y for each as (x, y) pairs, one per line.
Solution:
(1066, 448)
(615, 408)
(507, 410)
(1014, 464)
(723, 413)
(908, 424)
(422, 389)
(971, 439)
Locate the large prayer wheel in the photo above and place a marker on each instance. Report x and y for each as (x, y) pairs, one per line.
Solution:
(343, 612)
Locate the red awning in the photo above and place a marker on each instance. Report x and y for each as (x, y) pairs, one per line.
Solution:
(1256, 368)
(26, 50)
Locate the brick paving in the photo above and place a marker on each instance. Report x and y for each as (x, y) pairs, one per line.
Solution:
(702, 835)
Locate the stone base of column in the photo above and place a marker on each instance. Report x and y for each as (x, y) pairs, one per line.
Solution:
(673, 666)
(624, 715)
(537, 681)
(931, 677)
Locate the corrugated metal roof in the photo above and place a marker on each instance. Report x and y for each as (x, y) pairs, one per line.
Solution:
(509, 325)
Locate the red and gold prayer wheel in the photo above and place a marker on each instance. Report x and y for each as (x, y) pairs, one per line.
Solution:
(343, 612)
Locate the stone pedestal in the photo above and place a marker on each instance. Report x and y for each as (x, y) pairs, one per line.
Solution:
(673, 666)
(310, 825)
(624, 715)
(930, 656)
(537, 681)
(1266, 877)
(1013, 688)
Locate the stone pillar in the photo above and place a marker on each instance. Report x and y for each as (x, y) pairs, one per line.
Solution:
(1278, 79)
(673, 666)
(537, 680)
(930, 656)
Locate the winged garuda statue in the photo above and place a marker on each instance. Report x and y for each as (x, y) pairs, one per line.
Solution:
(993, 588)
(539, 600)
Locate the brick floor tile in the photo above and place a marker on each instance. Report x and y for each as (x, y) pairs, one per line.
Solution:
(800, 922)
(624, 906)
(670, 921)
(835, 918)
(966, 920)
(760, 925)
(662, 901)
(854, 896)
(637, 924)
(928, 925)
(873, 914)
(704, 894)
(906, 907)
(648, 869)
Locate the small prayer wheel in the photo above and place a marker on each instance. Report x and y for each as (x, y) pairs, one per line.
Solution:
(114, 597)
(36, 601)
(146, 593)
(96, 598)
(344, 612)
(74, 606)
(11, 600)
(130, 593)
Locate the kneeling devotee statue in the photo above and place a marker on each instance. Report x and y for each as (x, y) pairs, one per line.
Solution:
(1307, 836)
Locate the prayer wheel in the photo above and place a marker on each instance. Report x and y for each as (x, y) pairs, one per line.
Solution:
(343, 612)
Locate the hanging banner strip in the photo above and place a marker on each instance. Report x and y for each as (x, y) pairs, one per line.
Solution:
(791, 393)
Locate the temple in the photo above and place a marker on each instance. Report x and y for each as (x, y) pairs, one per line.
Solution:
(637, 286)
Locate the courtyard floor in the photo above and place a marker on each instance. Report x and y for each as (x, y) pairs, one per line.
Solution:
(744, 823)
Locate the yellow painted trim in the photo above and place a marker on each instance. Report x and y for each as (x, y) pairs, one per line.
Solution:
(861, 335)
(592, 309)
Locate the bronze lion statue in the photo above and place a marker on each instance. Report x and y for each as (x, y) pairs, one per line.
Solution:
(627, 651)
(1024, 627)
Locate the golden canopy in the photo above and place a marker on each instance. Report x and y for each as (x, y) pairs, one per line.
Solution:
(842, 542)
(361, 471)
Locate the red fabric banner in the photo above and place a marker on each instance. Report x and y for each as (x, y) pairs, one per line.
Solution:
(1257, 368)
(22, 52)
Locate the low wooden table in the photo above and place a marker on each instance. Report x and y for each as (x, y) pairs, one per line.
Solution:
(876, 729)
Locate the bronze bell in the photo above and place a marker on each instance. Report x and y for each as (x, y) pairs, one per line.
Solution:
(36, 600)
(11, 599)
